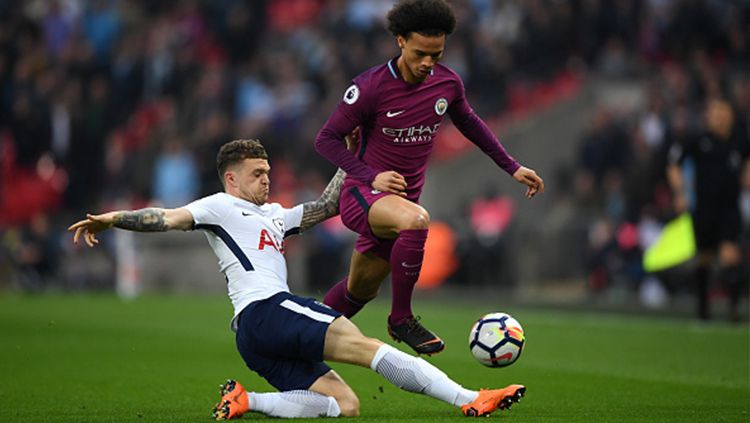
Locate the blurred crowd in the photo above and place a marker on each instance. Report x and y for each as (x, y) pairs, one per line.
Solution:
(621, 186)
(124, 103)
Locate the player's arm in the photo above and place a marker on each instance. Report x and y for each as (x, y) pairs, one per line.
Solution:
(675, 178)
(677, 184)
(143, 220)
(352, 112)
(474, 128)
(314, 212)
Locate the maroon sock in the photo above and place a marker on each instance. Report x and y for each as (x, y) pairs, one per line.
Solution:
(406, 262)
(339, 299)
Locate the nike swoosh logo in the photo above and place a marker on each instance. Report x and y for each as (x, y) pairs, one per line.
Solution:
(246, 214)
(506, 356)
(394, 114)
(410, 266)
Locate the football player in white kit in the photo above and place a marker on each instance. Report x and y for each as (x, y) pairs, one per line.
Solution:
(283, 337)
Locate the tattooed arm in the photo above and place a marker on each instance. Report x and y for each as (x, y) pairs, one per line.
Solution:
(314, 212)
(144, 220)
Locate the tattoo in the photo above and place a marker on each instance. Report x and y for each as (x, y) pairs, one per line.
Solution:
(314, 212)
(143, 220)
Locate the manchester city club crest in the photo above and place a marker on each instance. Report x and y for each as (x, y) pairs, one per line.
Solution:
(441, 106)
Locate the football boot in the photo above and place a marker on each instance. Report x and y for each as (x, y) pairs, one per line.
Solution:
(421, 339)
(490, 400)
(234, 402)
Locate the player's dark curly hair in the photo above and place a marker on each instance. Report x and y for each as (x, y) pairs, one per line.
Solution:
(427, 17)
(236, 151)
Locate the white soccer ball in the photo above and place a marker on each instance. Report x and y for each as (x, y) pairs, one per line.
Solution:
(496, 340)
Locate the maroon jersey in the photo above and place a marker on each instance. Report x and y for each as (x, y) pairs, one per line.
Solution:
(399, 124)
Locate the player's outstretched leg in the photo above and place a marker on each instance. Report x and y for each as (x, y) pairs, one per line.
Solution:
(345, 343)
(414, 374)
(490, 400)
(234, 402)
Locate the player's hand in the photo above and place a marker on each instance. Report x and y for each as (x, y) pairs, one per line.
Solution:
(391, 182)
(92, 225)
(352, 140)
(528, 177)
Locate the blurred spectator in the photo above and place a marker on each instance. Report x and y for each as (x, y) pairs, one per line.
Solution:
(175, 175)
(101, 24)
(35, 252)
(605, 147)
(485, 252)
(603, 261)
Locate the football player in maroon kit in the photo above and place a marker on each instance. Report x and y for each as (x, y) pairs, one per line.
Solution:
(399, 107)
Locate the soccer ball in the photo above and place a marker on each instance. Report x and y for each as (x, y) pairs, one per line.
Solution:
(496, 340)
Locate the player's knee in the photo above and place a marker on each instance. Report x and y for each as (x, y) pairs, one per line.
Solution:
(418, 220)
(349, 404)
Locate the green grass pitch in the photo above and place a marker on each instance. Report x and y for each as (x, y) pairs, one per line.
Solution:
(159, 359)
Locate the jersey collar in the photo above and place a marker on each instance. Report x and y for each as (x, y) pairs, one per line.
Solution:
(396, 73)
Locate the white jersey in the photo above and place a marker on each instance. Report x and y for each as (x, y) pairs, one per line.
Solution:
(248, 240)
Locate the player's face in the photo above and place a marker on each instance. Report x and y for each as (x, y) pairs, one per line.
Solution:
(419, 54)
(252, 180)
(719, 117)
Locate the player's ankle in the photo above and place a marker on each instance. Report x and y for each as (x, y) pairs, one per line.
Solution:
(399, 319)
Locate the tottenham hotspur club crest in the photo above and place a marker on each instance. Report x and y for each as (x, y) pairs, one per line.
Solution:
(351, 95)
(279, 224)
(441, 106)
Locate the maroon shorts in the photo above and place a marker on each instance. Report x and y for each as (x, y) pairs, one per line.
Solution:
(354, 205)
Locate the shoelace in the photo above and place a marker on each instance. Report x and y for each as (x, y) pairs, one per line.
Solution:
(413, 326)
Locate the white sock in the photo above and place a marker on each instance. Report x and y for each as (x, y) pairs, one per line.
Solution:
(414, 374)
(294, 404)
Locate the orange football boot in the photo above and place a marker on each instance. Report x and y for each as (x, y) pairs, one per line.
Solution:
(234, 402)
(490, 400)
